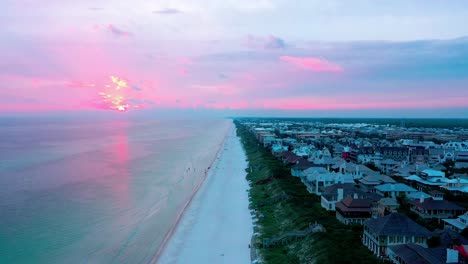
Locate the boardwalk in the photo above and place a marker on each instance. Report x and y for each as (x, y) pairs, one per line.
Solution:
(292, 235)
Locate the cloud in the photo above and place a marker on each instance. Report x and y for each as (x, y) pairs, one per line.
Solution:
(136, 88)
(118, 32)
(222, 76)
(274, 43)
(313, 64)
(95, 8)
(167, 11)
(270, 42)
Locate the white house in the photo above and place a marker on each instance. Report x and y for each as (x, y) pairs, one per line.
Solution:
(457, 224)
(317, 178)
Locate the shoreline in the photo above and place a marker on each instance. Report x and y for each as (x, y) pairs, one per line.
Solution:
(216, 226)
(183, 211)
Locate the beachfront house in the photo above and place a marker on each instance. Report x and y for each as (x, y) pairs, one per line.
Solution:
(335, 193)
(392, 229)
(316, 179)
(353, 210)
(413, 253)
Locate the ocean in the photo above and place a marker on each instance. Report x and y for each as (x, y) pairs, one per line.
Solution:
(98, 190)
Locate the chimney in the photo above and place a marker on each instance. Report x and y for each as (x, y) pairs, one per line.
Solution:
(421, 198)
(340, 194)
(452, 256)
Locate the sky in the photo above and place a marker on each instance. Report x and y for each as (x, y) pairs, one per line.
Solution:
(400, 58)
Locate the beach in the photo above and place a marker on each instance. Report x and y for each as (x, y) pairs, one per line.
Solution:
(216, 227)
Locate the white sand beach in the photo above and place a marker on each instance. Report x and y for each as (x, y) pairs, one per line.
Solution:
(217, 226)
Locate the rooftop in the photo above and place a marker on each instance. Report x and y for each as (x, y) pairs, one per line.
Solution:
(396, 224)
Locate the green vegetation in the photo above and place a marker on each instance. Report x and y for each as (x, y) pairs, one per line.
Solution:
(340, 244)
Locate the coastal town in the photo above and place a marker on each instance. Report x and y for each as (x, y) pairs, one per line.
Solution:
(404, 188)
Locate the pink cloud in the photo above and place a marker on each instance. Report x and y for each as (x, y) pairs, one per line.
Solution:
(313, 64)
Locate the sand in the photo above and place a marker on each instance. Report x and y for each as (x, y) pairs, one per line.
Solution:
(216, 227)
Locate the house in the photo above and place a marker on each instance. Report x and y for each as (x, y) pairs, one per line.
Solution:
(415, 254)
(268, 141)
(435, 207)
(302, 165)
(362, 155)
(409, 169)
(456, 186)
(337, 150)
(417, 195)
(457, 224)
(394, 189)
(421, 183)
(450, 250)
(387, 165)
(346, 153)
(419, 155)
(278, 149)
(385, 206)
(357, 171)
(395, 153)
(392, 229)
(369, 182)
(336, 192)
(316, 179)
(289, 158)
(303, 151)
(435, 155)
(432, 175)
(326, 161)
(353, 210)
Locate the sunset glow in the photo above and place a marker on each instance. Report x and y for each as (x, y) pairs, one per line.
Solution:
(113, 96)
(138, 55)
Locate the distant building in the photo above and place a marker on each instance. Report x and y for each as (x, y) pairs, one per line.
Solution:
(362, 155)
(346, 153)
(394, 153)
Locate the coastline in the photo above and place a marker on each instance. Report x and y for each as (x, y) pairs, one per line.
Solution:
(180, 215)
(172, 249)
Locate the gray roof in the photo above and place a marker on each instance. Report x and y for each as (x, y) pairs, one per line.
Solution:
(398, 187)
(396, 224)
(448, 237)
(376, 179)
(416, 254)
(431, 204)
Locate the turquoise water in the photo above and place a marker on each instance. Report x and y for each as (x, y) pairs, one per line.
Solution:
(97, 190)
